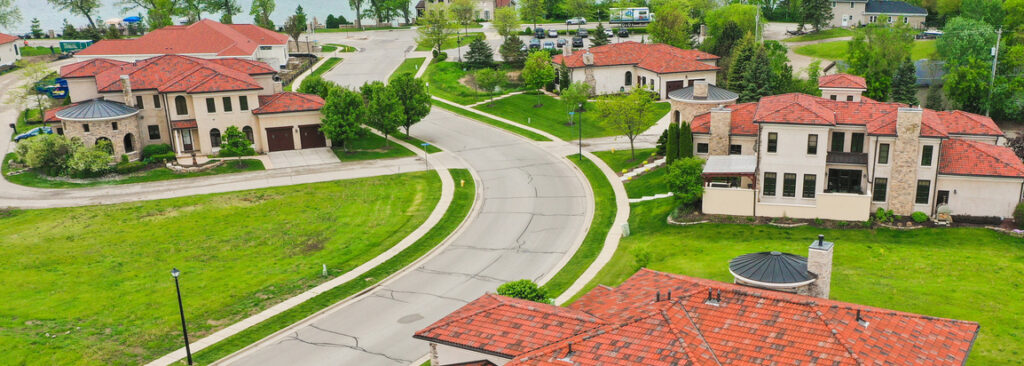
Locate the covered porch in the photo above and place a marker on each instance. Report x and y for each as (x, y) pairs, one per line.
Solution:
(729, 185)
(185, 137)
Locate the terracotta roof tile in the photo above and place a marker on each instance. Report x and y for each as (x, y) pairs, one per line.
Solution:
(967, 157)
(659, 58)
(88, 68)
(172, 73)
(793, 108)
(742, 121)
(846, 81)
(50, 115)
(7, 38)
(964, 123)
(288, 102)
(203, 37)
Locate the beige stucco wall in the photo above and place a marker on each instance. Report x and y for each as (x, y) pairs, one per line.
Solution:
(9, 54)
(221, 120)
(841, 94)
(791, 157)
(728, 201)
(981, 196)
(853, 11)
(285, 120)
(828, 206)
(149, 115)
(609, 79)
(82, 89)
(448, 355)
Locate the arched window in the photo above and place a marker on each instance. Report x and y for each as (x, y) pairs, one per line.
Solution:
(215, 137)
(629, 78)
(248, 134)
(179, 105)
(129, 143)
(105, 144)
(676, 117)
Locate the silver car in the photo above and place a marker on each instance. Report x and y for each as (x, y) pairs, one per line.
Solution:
(548, 45)
(552, 34)
(576, 21)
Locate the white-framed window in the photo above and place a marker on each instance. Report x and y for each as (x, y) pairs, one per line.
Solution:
(906, 20)
(890, 20)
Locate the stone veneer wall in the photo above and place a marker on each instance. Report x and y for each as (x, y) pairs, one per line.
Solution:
(819, 262)
(721, 123)
(903, 176)
(97, 129)
(688, 110)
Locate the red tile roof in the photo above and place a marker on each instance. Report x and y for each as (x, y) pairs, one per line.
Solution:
(749, 326)
(203, 37)
(793, 108)
(845, 81)
(172, 73)
(963, 123)
(288, 102)
(659, 58)
(967, 157)
(50, 115)
(88, 68)
(7, 38)
(742, 121)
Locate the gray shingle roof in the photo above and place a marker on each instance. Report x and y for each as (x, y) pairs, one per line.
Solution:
(96, 109)
(714, 94)
(893, 8)
(771, 267)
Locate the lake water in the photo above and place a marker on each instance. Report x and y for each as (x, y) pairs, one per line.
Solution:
(54, 19)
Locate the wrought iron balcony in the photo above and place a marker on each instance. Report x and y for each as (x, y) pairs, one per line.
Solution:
(855, 158)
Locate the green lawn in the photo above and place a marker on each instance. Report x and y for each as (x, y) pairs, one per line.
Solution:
(410, 65)
(964, 273)
(443, 79)
(623, 159)
(369, 28)
(837, 50)
(825, 34)
(325, 67)
(456, 213)
(331, 47)
(552, 117)
(491, 121)
(604, 215)
(649, 184)
(34, 179)
(453, 41)
(371, 147)
(38, 51)
(92, 285)
(415, 141)
(23, 126)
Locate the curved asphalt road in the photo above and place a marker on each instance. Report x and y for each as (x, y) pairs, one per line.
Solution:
(534, 210)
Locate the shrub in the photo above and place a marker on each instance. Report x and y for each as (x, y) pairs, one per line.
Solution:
(641, 255)
(978, 220)
(524, 289)
(130, 167)
(441, 56)
(685, 181)
(818, 221)
(89, 162)
(156, 149)
(48, 153)
(160, 158)
(235, 143)
(1018, 215)
(883, 216)
(124, 159)
(919, 217)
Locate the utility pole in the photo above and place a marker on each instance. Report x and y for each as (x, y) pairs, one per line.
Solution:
(757, 25)
(992, 79)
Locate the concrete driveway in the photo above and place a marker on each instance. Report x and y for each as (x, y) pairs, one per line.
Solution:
(304, 157)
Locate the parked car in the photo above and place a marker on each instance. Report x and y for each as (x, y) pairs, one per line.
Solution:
(623, 33)
(534, 44)
(553, 33)
(576, 21)
(34, 132)
(539, 32)
(577, 42)
(548, 45)
(561, 42)
(608, 32)
(582, 33)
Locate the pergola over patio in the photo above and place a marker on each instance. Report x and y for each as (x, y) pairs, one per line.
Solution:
(718, 167)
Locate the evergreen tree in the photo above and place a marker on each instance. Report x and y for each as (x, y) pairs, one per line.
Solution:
(512, 52)
(685, 141)
(672, 147)
(816, 13)
(740, 61)
(563, 76)
(904, 84)
(934, 100)
(757, 78)
(480, 54)
(599, 38)
(37, 31)
(69, 32)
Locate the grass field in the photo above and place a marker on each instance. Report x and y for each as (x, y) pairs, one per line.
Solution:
(415, 141)
(462, 201)
(968, 274)
(552, 117)
(325, 67)
(410, 65)
(622, 159)
(491, 121)
(38, 51)
(23, 126)
(91, 285)
(331, 47)
(34, 179)
(443, 79)
(345, 30)
(825, 34)
(604, 215)
(371, 147)
(837, 50)
(649, 184)
(452, 42)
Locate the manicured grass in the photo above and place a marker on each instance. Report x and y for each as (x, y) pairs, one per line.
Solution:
(825, 34)
(371, 147)
(325, 67)
(604, 215)
(23, 126)
(491, 121)
(37, 180)
(552, 116)
(91, 285)
(965, 273)
(416, 142)
(331, 47)
(649, 184)
(837, 50)
(38, 51)
(410, 65)
(623, 159)
(443, 79)
(456, 213)
(452, 42)
(369, 28)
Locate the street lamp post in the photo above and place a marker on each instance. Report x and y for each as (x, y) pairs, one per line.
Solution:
(580, 108)
(425, 164)
(181, 309)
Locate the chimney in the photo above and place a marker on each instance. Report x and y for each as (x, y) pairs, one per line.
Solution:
(721, 123)
(126, 90)
(905, 158)
(588, 58)
(819, 262)
(567, 49)
(700, 89)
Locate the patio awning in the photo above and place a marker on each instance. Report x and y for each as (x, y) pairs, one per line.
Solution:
(724, 165)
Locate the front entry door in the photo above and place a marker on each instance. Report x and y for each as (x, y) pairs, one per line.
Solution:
(844, 21)
(186, 140)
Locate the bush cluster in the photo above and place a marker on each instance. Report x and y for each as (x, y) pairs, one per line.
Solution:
(1018, 215)
(56, 155)
(919, 217)
(884, 216)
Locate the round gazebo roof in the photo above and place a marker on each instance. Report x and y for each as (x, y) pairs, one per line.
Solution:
(715, 94)
(96, 110)
(772, 269)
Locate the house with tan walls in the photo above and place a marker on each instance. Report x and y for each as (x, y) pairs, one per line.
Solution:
(482, 9)
(187, 102)
(620, 67)
(9, 51)
(842, 157)
(853, 13)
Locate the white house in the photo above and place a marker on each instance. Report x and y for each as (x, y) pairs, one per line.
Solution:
(852, 13)
(9, 51)
(204, 39)
(482, 9)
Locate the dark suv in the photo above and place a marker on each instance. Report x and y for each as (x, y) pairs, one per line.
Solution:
(623, 33)
(539, 32)
(577, 42)
(582, 33)
(534, 44)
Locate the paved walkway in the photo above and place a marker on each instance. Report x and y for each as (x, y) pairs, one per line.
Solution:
(303, 157)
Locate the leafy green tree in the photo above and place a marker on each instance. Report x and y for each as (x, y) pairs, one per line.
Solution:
(294, 28)
(300, 16)
(316, 85)
(68, 31)
(25, 95)
(462, 11)
(726, 42)
(716, 21)
(506, 21)
(964, 39)
(435, 28)
(538, 72)
(235, 143)
(816, 13)
(1013, 21)
(904, 84)
(532, 11)
(87, 162)
(9, 14)
(37, 31)
(672, 147)
(413, 96)
(159, 15)
(578, 8)
(627, 115)
(988, 11)
(480, 54)
(782, 80)
(261, 10)
(966, 85)
(344, 114)
(563, 76)
(525, 290)
(599, 38)
(512, 52)
(47, 153)
(875, 52)
(672, 26)
(112, 32)
(358, 5)
(85, 8)
(383, 109)
(684, 178)
(574, 97)
(227, 8)
(685, 140)
(331, 22)
(488, 79)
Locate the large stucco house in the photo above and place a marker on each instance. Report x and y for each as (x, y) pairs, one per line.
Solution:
(204, 39)
(842, 156)
(187, 102)
(852, 13)
(482, 9)
(9, 52)
(620, 67)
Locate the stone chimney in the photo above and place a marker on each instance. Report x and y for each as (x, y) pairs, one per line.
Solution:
(905, 155)
(126, 90)
(721, 123)
(567, 49)
(700, 89)
(588, 58)
(819, 262)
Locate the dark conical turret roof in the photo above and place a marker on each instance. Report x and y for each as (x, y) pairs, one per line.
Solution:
(771, 267)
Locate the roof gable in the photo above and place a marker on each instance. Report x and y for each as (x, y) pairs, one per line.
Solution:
(88, 68)
(173, 73)
(845, 81)
(7, 38)
(659, 58)
(288, 102)
(967, 157)
(203, 37)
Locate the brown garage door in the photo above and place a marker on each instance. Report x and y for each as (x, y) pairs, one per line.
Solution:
(310, 136)
(673, 85)
(280, 138)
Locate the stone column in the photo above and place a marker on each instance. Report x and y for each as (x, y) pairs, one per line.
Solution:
(819, 262)
(126, 90)
(905, 154)
(721, 123)
(700, 89)
(434, 361)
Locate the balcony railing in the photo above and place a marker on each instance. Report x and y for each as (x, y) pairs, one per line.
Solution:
(855, 158)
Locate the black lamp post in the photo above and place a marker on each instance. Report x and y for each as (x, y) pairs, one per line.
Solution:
(181, 309)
